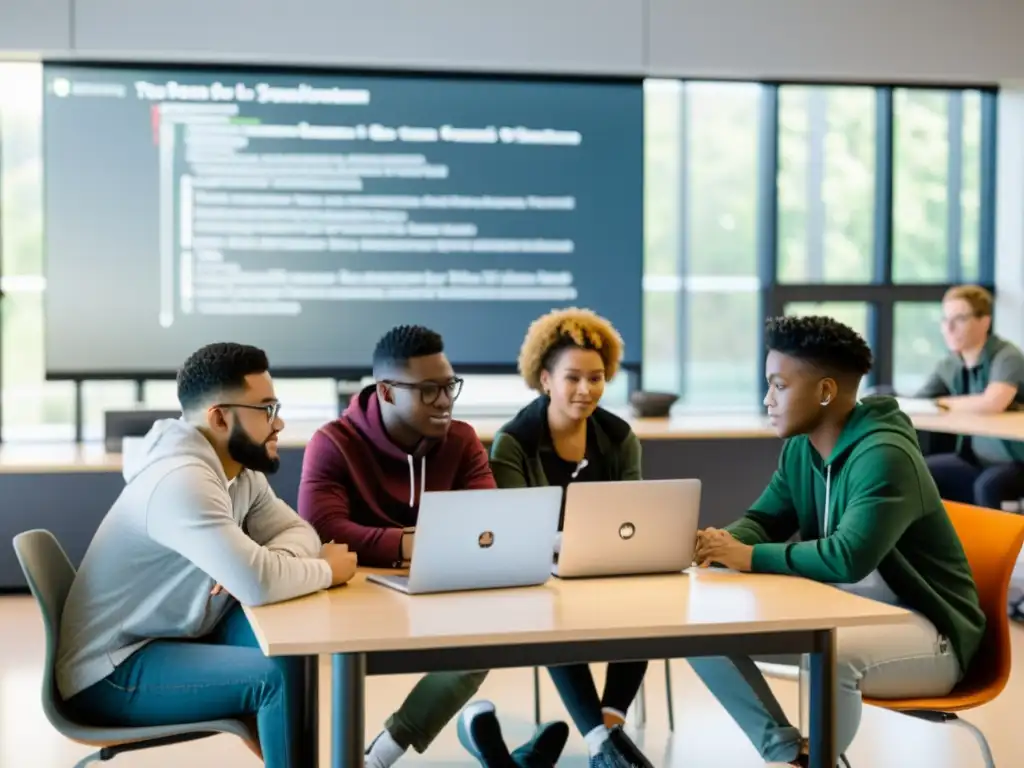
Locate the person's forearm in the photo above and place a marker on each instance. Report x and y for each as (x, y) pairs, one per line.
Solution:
(980, 403)
(375, 547)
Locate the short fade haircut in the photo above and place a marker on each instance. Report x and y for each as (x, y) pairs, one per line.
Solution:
(402, 343)
(821, 341)
(978, 298)
(217, 368)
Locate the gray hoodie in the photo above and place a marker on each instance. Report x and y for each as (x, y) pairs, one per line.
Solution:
(178, 528)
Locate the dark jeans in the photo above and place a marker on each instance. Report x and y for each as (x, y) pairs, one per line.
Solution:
(960, 480)
(576, 686)
(223, 675)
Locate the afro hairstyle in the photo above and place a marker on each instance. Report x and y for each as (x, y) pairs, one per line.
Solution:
(562, 329)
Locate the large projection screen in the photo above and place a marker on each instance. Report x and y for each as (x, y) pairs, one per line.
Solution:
(307, 213)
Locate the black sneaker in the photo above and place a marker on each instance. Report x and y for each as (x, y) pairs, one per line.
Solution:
(627, 750)
(544, 749)
(613, 758)
(480, 733)
(804, 761)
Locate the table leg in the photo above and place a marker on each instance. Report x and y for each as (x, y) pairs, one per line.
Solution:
(823, 701)
(348, 678)
(309, 743)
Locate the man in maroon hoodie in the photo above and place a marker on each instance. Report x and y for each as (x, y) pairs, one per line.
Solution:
(362, 479)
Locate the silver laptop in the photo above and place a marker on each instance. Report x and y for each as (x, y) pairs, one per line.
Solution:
(481, 539)
(628, 527)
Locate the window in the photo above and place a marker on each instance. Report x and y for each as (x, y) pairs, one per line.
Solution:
(936, 186)
(917, 344)
(28, 401)
(701, 241)
(662, 234)
(855, 314)
(826, 184)
(910, 208)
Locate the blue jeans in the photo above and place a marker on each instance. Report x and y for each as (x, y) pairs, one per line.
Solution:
(222, 675)
(907, 660)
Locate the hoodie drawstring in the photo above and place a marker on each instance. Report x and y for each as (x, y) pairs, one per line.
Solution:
(412, 479)
(828, 510)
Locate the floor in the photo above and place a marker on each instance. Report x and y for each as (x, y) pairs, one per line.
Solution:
(704, 737)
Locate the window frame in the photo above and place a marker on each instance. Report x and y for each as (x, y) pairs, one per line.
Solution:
(882, 293)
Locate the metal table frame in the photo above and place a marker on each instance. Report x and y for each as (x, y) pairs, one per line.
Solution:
(349, 671)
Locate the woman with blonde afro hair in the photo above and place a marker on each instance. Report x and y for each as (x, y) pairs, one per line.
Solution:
(563, 437)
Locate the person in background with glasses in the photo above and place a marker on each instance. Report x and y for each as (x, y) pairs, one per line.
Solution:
(153, 631)
(362, 479)
(982, 374)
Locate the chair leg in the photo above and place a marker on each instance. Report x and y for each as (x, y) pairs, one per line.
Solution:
(536, 696)
(95, 757)
(668, 696)
(801, 681)
(986, 751)
(641, 706)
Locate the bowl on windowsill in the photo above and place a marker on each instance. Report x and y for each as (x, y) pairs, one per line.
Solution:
(652, 405)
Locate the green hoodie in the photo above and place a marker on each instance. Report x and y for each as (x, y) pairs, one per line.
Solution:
(880, 510)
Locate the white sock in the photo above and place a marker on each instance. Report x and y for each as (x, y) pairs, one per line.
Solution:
(384, 752)
(596, 739)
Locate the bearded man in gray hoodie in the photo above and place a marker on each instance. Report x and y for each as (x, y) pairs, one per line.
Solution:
(153, 631)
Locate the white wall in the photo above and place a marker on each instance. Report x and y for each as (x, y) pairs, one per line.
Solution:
(585, 36)
(961, 41)
(870, 40)
(35, 26)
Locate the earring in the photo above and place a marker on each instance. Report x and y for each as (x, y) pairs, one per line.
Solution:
(826, 401)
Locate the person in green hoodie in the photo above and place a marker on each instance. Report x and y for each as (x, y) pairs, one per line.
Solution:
(852, 482)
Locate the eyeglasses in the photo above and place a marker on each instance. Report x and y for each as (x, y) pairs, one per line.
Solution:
(271, 409)
(430, 391)
(956, 320)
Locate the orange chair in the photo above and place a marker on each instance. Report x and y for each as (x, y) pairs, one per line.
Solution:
(992, 541)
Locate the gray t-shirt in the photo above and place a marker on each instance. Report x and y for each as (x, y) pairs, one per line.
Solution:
(1000, 361)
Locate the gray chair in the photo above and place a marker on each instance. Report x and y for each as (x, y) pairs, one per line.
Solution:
(49, 574)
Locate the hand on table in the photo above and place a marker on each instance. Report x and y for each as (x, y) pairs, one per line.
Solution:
(718, 546)
(408, 544)
(343, 563)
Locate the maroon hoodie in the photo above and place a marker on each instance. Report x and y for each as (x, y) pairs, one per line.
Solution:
(359, 488)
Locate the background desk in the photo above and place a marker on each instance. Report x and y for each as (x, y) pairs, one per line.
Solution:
(67, 488)
(370, 629)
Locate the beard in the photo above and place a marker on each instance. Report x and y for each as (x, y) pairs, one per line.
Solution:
(250, 454)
